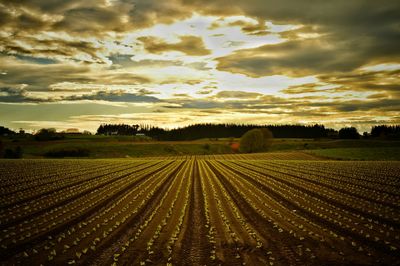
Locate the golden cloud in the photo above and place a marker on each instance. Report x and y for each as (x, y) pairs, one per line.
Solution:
(189, 45)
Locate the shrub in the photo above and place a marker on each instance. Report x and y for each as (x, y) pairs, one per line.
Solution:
(256, 140)
(267, 134)
(252, 141)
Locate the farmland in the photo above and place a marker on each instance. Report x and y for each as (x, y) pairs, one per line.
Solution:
(286, 208)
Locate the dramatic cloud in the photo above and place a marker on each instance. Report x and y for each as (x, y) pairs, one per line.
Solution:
(190, 45)
(11, 95)
(293, 58)
(237, 94)
(261, 61)
(338, 36)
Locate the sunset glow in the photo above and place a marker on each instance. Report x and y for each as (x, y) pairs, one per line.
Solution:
(77, 64)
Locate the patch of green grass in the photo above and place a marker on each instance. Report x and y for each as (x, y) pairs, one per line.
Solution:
(129, 146)
(314, 144)
(116, 149)
(364, 153)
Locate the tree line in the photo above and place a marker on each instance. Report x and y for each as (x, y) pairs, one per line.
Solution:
(215, 131)
(386, 131)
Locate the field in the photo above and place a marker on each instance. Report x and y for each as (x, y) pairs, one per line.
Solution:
(372, 153)
(99, 147)
(287, 208)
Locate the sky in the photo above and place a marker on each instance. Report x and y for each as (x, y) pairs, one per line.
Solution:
(172, 63)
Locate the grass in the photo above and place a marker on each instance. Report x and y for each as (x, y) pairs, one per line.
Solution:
(364, 153)
(128, 146)
(314, 144)
(116, 149)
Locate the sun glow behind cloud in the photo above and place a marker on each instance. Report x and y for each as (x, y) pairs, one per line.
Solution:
(182, 62)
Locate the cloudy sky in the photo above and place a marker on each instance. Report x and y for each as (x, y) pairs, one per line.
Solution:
(79, 63)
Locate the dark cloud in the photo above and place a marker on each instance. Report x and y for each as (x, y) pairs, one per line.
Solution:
(365, 81)
(41, 77)
(377, 105)
(351, 34)
(198, 66)
(190, 45)
(293, 58)
(97, 16)
(184, 95)
(248, 100)
(305, 106)
(83, 17)
(150, 12)
(119, 78)
(126, 61)
(91, 20)
(143, 92)
(182, 80)
(254, 29)
(204, 92)
(15, 95)
(54, 42)
(339, 15)
(51, 6)
(258, 28)
(237, 94)
(36, 60)
(12, 95)
(378, 96)
(113, 96)
(43, 48)
(24, 21)
(308, 88)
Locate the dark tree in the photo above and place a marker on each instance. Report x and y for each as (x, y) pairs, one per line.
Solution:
(349, 133)
(46, 134)
(215, 131)
(120, 129)
(6, 131)
(385, 131)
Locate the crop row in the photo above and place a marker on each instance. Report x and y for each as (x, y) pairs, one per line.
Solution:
(200, 210)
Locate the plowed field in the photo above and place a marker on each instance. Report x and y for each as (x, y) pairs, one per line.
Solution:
(279, 209)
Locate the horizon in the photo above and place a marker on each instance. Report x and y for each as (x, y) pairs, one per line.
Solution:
(78, 64)
(82, 131)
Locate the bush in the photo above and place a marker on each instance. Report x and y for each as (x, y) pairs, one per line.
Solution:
(252, 141)
(267, 134)
(256, 140)
(67, 152)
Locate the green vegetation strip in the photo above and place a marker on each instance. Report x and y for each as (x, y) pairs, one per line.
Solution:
(373, 153)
